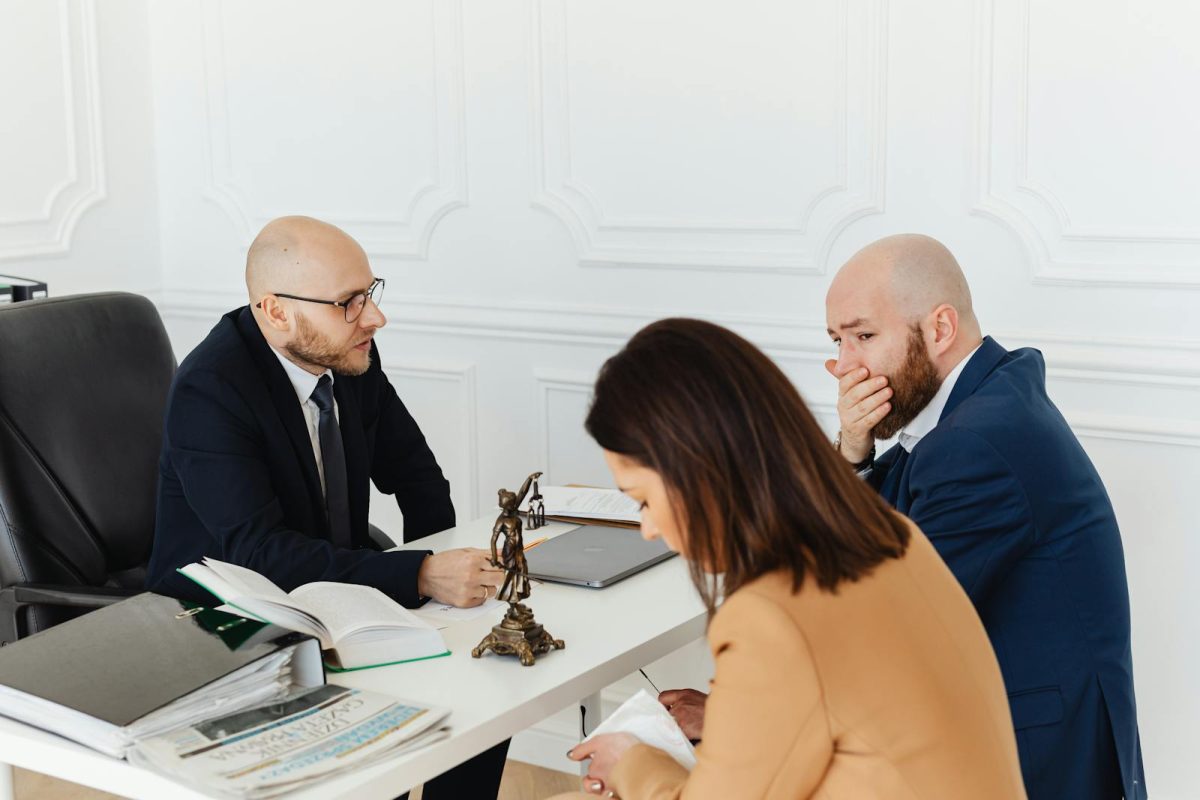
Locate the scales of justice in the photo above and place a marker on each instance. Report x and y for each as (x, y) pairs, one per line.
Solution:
(518, 634)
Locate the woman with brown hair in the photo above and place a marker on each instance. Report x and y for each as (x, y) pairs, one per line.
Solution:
(848, 661)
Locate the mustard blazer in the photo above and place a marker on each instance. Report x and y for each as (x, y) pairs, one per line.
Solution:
(887, 688)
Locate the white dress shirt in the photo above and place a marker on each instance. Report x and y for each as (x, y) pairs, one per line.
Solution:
(927, 420)
(304, 382)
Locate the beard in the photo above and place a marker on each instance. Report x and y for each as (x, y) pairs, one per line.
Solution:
(913, 385)
(313, 347)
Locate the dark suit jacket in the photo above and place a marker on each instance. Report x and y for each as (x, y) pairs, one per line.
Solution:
(1014, 506)
(238, 479)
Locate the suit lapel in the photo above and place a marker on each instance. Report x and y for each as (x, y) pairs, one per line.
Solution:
(354, 443)
(979, 367)
(287, 405)
(891, 468)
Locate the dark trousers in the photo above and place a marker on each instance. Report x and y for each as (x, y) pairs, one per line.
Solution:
(476, 778)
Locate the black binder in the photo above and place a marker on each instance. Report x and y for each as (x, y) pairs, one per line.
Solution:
(122, 662)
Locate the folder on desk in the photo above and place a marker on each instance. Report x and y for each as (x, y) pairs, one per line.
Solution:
(147, 665)
(587, 505)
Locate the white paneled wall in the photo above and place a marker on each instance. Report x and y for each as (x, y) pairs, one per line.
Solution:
(77, 170)
(625, 96)
(536, 179)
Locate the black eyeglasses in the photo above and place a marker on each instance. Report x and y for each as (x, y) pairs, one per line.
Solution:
(353, 307)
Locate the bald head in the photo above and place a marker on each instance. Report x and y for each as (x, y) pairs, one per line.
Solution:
(917, 272)
(297, 255)
(892, 290)
(313, 295)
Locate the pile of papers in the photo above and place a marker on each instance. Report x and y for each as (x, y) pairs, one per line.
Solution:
(311, 735)
(582, 503)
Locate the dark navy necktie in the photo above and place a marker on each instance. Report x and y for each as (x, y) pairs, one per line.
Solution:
(333, 456)
(890, 487)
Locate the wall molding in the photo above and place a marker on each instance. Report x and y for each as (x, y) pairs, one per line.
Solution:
(463, 375)
(547, 382)
(1164, 365)
(1141, 430)
(1006, 192)
(408, 237)
(794, 246)
(50, 230)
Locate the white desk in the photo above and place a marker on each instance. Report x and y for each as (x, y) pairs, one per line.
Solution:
(609, 633)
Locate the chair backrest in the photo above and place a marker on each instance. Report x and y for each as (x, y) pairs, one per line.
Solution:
(83, 387)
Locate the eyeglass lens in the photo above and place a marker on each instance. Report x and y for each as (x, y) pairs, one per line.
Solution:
(355, 307)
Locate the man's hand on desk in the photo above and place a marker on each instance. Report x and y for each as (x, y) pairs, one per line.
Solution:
(462, 577)
(687, 708)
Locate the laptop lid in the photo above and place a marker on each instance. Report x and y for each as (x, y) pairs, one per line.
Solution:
(595, 556)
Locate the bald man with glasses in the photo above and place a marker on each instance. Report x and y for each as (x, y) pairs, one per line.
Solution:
(276, 425)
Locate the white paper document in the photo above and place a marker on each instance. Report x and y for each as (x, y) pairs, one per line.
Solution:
(648, 720)
(602, 504)
(442, 616)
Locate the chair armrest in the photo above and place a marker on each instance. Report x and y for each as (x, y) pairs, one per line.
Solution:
(14, 598)
(52, 595)
(380, 539)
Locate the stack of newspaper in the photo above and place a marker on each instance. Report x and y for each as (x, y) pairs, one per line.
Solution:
(310, 735)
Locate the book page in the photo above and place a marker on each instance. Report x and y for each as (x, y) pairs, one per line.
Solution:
(252, 594)
(286, 615)
(607, 504)
(346, 607)
(245, 581)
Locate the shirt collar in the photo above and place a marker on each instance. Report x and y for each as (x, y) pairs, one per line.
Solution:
(303, 381)
(927, 420)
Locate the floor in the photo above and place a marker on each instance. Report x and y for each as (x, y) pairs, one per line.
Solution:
(521, 782)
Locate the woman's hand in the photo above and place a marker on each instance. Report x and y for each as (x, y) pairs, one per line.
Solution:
(604, 751)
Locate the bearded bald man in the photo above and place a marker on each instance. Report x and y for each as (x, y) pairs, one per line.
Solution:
(988, 468)
(276, 425)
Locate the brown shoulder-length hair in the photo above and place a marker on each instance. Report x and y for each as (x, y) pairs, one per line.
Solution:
(744, 461)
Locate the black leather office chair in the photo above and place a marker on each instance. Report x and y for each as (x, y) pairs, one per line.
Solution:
(83, 386)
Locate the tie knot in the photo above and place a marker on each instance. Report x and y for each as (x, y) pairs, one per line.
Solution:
(323, 394)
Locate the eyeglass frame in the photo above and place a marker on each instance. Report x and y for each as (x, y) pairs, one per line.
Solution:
(369, 293)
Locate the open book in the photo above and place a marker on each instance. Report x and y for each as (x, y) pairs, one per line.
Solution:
(358, 626)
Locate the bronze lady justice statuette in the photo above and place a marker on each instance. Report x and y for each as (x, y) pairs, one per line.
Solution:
(517, 634)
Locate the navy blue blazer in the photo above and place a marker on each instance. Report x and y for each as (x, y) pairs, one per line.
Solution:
(1014, 506)
(238, 479)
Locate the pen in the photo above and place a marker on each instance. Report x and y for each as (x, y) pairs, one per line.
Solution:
(536, 542)
(647, 677)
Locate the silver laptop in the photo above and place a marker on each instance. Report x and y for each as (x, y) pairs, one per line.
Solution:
(595, 556)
